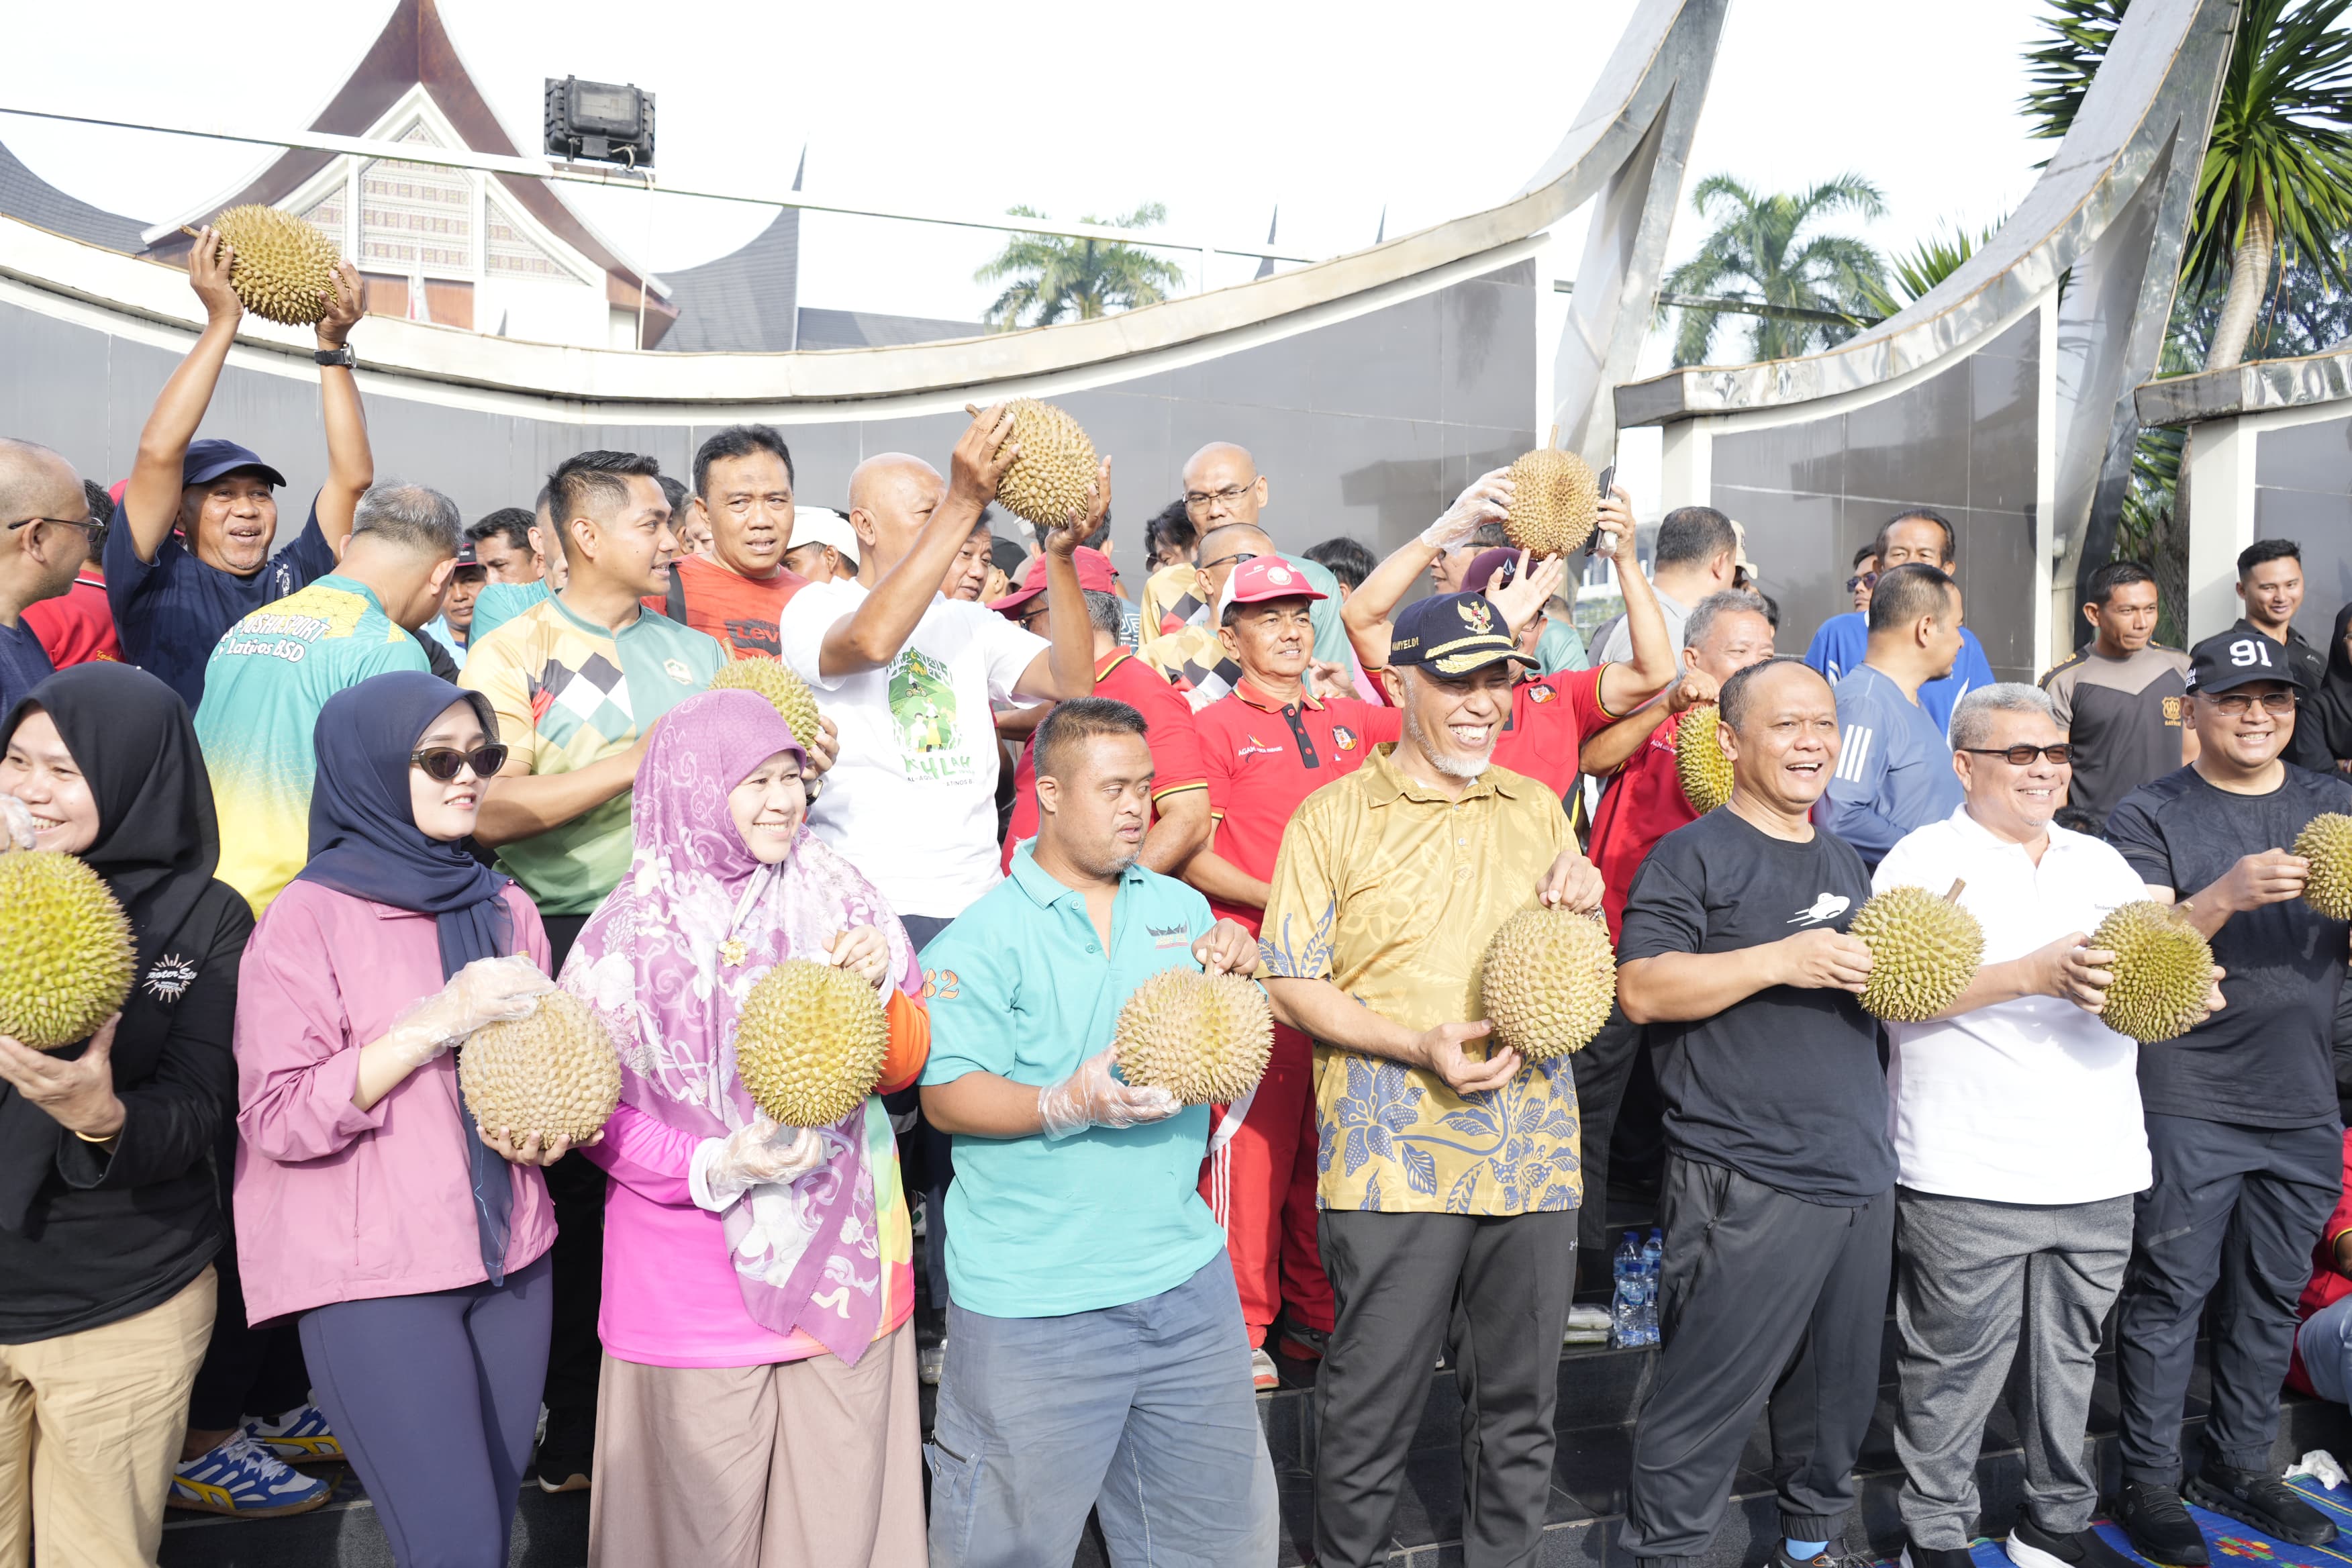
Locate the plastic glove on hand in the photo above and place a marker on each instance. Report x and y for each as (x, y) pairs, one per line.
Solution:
(1094, 1097)
(761, 1152)
(487, 991)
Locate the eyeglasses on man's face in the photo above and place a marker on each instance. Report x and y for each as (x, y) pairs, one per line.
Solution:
(94, 526)
(2062, 753)
(2238, 704)
(1229, 498)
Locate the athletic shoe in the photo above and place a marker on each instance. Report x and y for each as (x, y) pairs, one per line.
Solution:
(1263, 1376)
(1296, 1339)
(1831, 1558)
(2159, 1526)
(2263, 1500)
(1917, 1556)
(300, 1436)
(243, 1479)
(2031, 1546)
(566, 1456)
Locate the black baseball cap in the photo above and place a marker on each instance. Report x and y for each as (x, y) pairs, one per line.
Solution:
(208, 460)
(2240, 656)
(467, 557)
(1453, 634)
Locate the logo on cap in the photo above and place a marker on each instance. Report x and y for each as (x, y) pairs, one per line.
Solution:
(1475, 615)
(1276, 576)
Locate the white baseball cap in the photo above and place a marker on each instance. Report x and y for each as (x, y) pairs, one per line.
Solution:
(822, 525)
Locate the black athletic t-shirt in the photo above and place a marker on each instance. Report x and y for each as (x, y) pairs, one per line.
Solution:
(1784, 1087)
(2264, 1059)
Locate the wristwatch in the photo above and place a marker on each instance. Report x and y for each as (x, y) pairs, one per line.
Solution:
(341, 356)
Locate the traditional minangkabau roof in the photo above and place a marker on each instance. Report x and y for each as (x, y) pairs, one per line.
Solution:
(746, 299)
(27, 197)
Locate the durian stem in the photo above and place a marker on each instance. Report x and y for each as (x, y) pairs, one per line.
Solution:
(1954, 896)
(1553, 439)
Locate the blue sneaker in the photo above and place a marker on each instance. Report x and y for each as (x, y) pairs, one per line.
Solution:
(299, 1437)
(244, 1481)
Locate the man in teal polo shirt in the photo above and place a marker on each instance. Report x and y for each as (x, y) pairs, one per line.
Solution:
(1096, 1357)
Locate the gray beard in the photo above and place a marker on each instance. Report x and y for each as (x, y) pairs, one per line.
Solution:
(1451, 766)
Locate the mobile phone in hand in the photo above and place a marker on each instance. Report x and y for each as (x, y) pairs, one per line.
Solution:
(1596, 544)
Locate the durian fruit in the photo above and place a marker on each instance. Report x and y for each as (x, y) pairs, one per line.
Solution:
(285, 267)
(1548, 977)
(1048, 482)
(1700, 762)
(1924, 951)
(66, 955)
(785, 692)
(1554, 503)
(2163, 970)
(2326, 841)
(552, 1072)
(1204, 1038)
(810, 1042)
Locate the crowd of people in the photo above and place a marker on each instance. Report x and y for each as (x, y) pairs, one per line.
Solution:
(406, 777)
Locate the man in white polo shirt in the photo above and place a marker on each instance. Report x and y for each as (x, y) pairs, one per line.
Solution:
(2019, 1143)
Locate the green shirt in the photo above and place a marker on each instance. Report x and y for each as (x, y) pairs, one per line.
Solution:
(1020, 986)
(568, 693)
(499, 603)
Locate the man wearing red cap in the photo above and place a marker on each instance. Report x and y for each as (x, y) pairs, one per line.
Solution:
(1180, 797)
(1267, 745)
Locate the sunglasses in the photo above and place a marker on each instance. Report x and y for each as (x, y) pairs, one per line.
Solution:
(2022, 756)
(442, 764)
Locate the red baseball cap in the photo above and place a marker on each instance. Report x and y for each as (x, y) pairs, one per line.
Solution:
(1263, 577)
(1094, 574)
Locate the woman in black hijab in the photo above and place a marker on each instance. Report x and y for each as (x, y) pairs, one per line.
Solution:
(107, 1219)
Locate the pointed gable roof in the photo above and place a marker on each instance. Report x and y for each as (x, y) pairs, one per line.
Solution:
(26, 196)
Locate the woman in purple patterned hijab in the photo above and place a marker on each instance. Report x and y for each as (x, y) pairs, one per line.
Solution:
(758, 1402)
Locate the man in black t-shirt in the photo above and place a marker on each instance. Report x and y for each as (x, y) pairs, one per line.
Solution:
(1779, 1175)
(2241, 1111)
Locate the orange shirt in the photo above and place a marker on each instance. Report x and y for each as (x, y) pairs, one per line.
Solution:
(740, 612)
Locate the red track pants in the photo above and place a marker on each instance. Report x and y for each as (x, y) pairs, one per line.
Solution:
(1259, 1180)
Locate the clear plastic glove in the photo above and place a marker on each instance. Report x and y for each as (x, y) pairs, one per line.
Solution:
(1091, 1097)
(487, 991)
(757, 1153)
(15, 824)
(1486, 500)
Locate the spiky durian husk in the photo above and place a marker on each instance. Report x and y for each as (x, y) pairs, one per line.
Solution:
(2163, 970)
(66, 953)
(1554, 503)
(1048, 482)
(1924, 951)
(2326, 841)
(1204, 1038)
(285, 268)
(1700, 762)
(1549, 978)
(810, 1042)
(785, 691)
(553, 1072)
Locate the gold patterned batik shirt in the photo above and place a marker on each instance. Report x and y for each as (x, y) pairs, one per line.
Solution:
(1392, 892)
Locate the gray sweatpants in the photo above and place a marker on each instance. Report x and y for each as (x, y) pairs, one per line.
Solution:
(1969, 1276)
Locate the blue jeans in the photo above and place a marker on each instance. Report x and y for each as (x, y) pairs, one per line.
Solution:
(1143, 1412)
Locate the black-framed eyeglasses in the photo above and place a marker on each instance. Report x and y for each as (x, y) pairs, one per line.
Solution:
(442, 764)
(1199, 500)
(1228, 561)
(2062, 753)
(94, 526)
(2238, 704)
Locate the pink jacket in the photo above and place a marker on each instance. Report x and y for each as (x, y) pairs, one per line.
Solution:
(335, 1203)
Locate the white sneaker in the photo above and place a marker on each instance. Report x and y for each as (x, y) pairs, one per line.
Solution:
(1262, 1376)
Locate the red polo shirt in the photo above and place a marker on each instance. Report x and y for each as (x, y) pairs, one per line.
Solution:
(1643, 803)
(1167, 730)
(77, 626)
(1550, 720)
(1263, 757)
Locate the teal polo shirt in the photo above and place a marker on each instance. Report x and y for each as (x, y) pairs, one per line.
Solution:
(1021, 987)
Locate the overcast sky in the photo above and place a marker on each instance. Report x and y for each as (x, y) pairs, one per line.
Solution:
(1220, 108)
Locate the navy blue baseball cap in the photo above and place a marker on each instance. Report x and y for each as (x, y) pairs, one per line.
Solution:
(2240, 657)
(208, 460)
(1453, 634)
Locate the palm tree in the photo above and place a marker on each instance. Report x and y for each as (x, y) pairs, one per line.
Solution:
(1055, 279)
(1761, 243)
(2276, 183)
(1928, 263)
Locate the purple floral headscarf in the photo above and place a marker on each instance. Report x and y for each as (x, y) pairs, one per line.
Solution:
(667, 960)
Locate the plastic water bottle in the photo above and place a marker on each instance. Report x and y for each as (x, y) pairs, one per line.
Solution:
(1625, 1311)
(1652, 1251)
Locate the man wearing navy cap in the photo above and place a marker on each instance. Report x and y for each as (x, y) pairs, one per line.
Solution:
(189, 553)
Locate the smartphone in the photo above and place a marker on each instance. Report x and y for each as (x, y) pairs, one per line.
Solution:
(1601, 487)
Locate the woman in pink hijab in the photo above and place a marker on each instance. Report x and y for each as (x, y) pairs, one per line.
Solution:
(758, 1400)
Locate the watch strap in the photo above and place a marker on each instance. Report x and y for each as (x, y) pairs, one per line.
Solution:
(341, 356)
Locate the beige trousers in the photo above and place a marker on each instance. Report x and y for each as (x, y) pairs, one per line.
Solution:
(808, 1463)
(89, 1426)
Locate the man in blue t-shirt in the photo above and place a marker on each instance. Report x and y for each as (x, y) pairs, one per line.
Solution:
(1893, 767)
(188, 553)
(1092, 1316)
(45, 529)
(1839, 648)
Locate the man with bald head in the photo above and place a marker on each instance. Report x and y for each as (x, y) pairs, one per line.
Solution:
(46, 534)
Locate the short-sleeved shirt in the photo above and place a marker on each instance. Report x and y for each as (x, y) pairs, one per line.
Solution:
(77, 626)
(1616, 646)
(1893, 767)
(1020, 986)
(2122, 717)
(2263, 1061)
(1392, 892)
(1183, 645)
(1643, 803)
(171, 611)
(1264, 757)
(911, 798)
(569, 692)
(1167, 730)
(499, 603)
(267, 678)
(1547, 723)
(1839, 648)
(2307, 746)
(24, 663)
(1783, 1086)
(740, 611)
